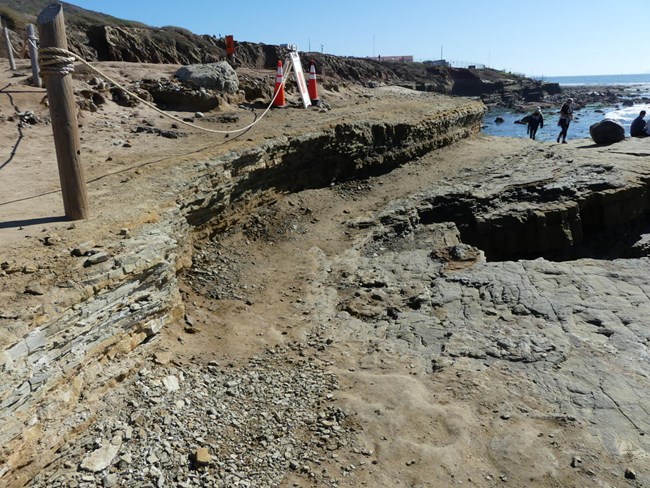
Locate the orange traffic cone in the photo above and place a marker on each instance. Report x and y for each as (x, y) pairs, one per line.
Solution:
(278, 93)
(311, 85)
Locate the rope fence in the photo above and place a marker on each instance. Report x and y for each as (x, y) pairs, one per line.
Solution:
(57, 61)
(33, 43)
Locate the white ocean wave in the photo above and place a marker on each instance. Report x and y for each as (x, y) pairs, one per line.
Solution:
(626, 115)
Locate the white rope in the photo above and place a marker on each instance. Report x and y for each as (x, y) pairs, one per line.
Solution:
(30, 41)
(59, 60)
(55, 61)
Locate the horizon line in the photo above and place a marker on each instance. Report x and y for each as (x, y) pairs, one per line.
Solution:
(585, 76)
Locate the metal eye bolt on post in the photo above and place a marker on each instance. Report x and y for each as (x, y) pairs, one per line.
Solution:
(55, 69)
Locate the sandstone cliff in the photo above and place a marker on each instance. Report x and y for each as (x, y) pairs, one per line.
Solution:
(98, 37)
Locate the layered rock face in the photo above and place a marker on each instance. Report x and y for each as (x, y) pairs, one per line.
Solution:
(171, 45)
(82, 343)
(551, 345)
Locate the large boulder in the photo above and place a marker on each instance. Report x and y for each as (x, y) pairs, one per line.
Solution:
(607, 131)
(215, 76)
(533, 94)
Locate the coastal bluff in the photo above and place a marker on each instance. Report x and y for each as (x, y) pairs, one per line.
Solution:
(98, 37)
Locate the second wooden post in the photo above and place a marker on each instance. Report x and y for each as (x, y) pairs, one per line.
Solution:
(63, 111)
(33, 54)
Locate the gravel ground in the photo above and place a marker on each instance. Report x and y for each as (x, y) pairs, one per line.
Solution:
(212, 425)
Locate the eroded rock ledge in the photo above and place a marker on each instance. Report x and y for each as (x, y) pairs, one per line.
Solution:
(573, 334)
(63, 349)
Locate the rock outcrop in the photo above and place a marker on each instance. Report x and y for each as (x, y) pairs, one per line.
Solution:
(218, 76)
(170, 45)
(124, 293)
(607, 131)
(572, 330)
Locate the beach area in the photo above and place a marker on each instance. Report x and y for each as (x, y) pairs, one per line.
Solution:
(613, 97)
(282, 246)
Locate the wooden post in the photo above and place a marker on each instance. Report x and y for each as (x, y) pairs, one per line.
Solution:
(10, 51)
(33, 54)
(63, 111)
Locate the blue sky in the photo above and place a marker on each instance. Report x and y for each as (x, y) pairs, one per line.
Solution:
(536, 38)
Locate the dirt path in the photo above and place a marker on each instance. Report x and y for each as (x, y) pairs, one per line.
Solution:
(414, 429)
(274, 251)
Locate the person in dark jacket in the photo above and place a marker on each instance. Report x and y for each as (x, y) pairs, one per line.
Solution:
(535, 121)
(639, 126)
(566, 116)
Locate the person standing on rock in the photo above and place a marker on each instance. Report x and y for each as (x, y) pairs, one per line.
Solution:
(638, 128)
(535, 120)
(566, 116)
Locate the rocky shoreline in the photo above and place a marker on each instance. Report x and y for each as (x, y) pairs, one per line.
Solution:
(605, 95)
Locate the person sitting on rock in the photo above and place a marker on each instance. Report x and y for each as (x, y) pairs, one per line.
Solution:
(535, 120)
(638, 128)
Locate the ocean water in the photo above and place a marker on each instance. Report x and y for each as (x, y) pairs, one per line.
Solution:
(637, 86)
(643, 78)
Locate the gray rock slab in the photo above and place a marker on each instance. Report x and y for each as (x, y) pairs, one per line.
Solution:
(218, 76)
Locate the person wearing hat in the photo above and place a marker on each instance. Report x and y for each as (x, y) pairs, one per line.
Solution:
(566, 116)
(535, 120)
